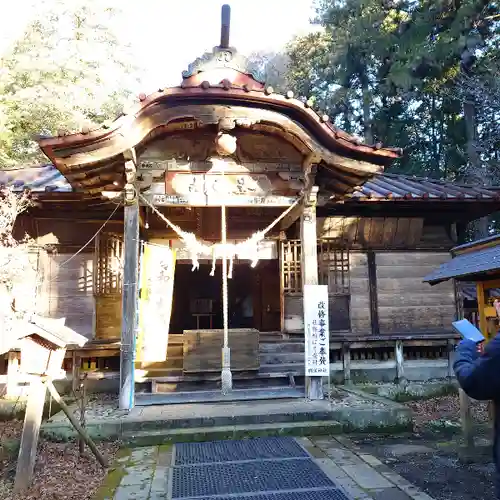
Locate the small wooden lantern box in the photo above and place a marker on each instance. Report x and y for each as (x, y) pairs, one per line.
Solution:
(43, 346)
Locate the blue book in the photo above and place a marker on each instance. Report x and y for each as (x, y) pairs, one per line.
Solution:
(468, 331)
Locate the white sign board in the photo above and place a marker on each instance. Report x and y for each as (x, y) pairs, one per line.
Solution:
(316, 331)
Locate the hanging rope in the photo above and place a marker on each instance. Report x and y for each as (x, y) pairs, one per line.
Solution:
(226, 375)
(197, 248)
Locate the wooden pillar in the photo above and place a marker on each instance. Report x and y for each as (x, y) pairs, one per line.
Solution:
(481, 304)
(346, 361)
(31, 431)
(372, 284)
(399, 357)
(130, 293)
(451, 358)
(309, 246)
(12, 388)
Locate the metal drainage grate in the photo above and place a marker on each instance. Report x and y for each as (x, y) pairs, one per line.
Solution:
(288, 495)
(235, 451)
(248, 477)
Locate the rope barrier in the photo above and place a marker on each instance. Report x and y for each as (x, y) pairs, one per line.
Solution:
(197, 248)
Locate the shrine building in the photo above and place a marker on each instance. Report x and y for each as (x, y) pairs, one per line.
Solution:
(190, 225)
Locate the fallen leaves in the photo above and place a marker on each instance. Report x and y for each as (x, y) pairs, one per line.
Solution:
(60, 472)
(445, 407)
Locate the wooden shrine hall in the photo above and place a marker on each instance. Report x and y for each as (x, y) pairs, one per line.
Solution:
(179, 237)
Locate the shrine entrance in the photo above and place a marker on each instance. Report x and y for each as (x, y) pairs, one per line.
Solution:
(254, 297)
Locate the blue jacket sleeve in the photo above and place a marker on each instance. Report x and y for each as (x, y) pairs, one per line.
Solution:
(478, 375)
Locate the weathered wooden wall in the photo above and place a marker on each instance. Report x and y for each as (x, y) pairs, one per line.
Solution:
(405, 303)
(66, 290)
(65, 280)
(359, 308)
(360, 293)
(385, 232)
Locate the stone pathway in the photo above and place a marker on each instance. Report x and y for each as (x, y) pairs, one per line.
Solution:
(324, 468)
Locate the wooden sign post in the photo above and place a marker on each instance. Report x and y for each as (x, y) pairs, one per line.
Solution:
(43, 348)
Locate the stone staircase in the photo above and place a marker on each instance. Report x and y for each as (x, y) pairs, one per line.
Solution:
(281, 375)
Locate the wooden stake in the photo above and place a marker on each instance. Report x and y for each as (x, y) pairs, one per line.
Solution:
(399, 355)
(31, 431)
(466, 419)
(83, 397)
(86, 438)
(346, 359)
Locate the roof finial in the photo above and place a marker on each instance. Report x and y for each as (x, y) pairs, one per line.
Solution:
(225, 26)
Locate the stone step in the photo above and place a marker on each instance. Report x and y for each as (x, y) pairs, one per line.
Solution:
(214, 396)
(165, 436)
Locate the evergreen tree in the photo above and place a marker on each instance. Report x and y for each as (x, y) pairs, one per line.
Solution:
(380, 68)
(67, 70)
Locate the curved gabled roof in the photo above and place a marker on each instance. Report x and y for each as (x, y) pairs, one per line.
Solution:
(227, 93)
(217, 86)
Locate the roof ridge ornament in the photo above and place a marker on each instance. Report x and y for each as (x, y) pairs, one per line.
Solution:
(223, 56)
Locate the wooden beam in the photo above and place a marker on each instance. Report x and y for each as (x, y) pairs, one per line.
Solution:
(31, 431)
(373, 292)
(309, 176)
(308, 237)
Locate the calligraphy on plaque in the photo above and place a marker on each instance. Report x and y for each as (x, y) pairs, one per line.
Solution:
(317, 337)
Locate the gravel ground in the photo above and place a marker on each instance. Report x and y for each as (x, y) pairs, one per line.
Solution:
(427, 458)
(432, 460)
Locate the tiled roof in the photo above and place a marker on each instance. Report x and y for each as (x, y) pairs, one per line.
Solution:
(467, 264)
(395, 186)
(46, 178)
(469, 292)
(43, 178)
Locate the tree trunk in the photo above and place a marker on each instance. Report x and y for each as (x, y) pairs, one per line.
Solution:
(476, 174)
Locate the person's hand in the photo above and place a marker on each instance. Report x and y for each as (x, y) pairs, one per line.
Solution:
(480, 347)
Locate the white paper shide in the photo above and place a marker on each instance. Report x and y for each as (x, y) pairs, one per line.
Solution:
(317, 338)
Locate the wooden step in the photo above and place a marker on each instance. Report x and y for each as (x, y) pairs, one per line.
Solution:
(281, 359)
(283, 347)
(216, 396)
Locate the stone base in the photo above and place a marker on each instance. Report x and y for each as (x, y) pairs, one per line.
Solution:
(351, 411)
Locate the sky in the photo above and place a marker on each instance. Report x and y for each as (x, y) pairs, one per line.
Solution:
(166, 35)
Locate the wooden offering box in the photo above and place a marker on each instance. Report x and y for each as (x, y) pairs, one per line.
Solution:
(203, 350)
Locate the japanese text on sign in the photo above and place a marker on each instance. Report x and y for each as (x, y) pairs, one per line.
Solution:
(316, 329)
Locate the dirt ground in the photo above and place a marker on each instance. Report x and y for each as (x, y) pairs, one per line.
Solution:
(60, 472)
(430, 458)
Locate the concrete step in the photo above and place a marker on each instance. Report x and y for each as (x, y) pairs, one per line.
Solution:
(214, 396)
(164, 436)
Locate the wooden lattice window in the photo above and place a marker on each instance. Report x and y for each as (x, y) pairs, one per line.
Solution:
(291, 267)
(333, 270)
(333, 267)
(108, 264)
